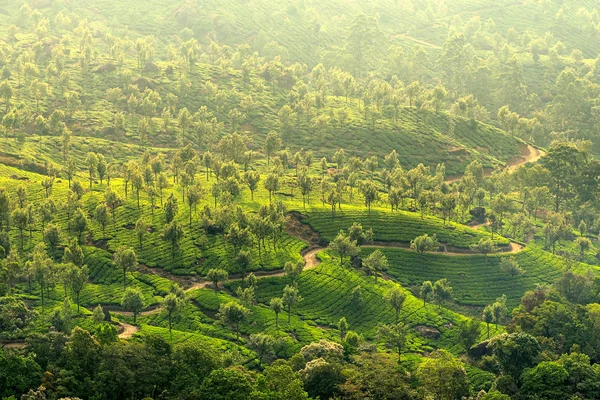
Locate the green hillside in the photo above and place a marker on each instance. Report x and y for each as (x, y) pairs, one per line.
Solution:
(268, 199)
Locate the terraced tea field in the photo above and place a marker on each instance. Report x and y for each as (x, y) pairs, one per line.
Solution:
(476, 280)
(399, 226)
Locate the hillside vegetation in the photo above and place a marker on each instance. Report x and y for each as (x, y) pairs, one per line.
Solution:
(299, 200)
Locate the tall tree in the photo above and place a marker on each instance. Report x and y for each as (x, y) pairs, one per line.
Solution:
(396, 299)
(173, 233)
(276, 305)
(344, 247)
(79, 278)
(91, 162)
(290, 298)
(233, 314)
(375, 263)
(133, 300)
(125, 259)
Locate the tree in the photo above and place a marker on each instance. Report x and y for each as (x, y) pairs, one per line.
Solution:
(79, 224)
(251, 178)
(226, 384)
(499, 309)
(370, 193)
(284, 382)
(91, 162)
(394, 336)
(171, 209)
(101, 167)
(484, 246)
(424, 243)
(470, 330)
(344, 247)
(583, 244)
(173, 233)
(515, 352)
(5, 215)
(488, 317)
(10, 269)
(101, 216)
(396, 299)
(293, 270)
(78, 277)
(6, 92)
(112, 200)
(73, 254)
(276, 305)
(41, 266)
(125, 258)
(563, 161)
(171, 305)
(20, 218)
(238, 237)
(547, 380)
(443, 376)
(272, 144)
(243, 261)
(233, 314)
(194, 194)
(272, 185)
(305, 184)
(98, 315)
(141, 228)
(362, 39)
(510, 267)
(442, 291)
(343, 328)
(133, 301)
(426, 291)
(357, 234)
(216, 275)
(290, 299)
(263, 344)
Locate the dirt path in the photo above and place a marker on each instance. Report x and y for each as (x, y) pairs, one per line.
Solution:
(310, 258)
(479, 226)
(13, 345)
(530, 155)
(511, 248)
(310, 261)
(415, 40)
(128, 330)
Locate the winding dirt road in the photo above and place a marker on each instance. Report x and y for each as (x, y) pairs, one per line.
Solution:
(310, 261)
(530, 155)
(511, 248)
(128, 330)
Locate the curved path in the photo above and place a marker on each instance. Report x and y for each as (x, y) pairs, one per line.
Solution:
(511, 248)
(310, 261)
(532, 155)
(128, 330)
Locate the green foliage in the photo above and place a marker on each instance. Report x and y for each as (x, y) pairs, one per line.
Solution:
(385, 224)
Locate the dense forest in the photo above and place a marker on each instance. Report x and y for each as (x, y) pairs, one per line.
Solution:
(273, 200)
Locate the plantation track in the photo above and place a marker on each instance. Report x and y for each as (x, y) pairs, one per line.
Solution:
(309, 254)
(13, 345)
(512, 248)
(415, 40)
(531, 155)
(310, 259)
(128, 330)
